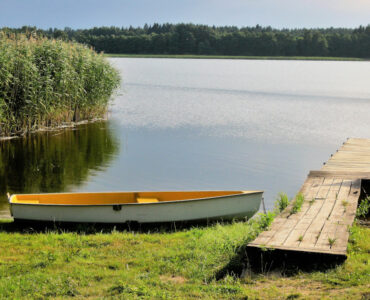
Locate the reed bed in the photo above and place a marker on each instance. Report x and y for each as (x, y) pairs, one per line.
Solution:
(46, 83)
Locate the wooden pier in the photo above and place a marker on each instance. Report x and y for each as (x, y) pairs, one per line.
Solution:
(329, 209)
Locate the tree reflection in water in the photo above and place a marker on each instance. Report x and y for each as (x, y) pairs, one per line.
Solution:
(55, 161)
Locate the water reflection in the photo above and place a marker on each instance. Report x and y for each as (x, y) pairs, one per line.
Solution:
(55, 161)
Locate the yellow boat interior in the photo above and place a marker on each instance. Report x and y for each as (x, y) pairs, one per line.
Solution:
(117, 198)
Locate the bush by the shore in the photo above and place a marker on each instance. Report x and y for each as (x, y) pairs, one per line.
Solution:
(49, 82)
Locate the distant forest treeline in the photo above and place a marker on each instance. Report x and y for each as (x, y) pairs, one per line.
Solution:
(211, 40)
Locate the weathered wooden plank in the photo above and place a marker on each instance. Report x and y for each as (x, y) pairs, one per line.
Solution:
(355, 144)
(294, 238)
(282, 225)
(342, 174)
(345, 157)
(352, 154)
(331, 197)
(324, 189)
(328, 230)
(260, 241)
(308, 250)
(281, 235)
(339, 206)
(322, 217)
(341, 238)
(349, 163)
(306, 188)
(343, 169)
(357, 140)
(305, 217)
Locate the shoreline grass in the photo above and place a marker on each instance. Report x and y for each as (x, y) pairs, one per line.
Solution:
(175, 264)
(55, 127)
(191, 56)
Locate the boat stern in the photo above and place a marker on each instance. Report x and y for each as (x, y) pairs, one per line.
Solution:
(10, 203)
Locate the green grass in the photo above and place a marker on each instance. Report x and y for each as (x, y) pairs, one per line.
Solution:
(332, 241)
(297, 204)
(363, 209)
(234, 57)
(163, 265)
(47, 83)
(281, 202)
(154, 265)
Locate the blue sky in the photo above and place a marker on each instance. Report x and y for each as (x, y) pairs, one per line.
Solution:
(277, 13)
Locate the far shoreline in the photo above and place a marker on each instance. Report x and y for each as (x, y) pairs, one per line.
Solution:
(191, 56)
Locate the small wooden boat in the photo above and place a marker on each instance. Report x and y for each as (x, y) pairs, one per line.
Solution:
(142, 207)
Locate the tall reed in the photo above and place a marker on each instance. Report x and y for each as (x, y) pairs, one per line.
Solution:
(49, 82)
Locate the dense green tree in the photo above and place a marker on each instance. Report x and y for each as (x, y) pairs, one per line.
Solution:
(224, 40)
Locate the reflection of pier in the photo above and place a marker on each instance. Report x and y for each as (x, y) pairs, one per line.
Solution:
(331, 197)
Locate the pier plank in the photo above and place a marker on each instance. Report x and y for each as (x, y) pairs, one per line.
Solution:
(331, 198)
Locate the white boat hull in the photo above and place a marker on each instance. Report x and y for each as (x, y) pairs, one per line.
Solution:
(225, 208)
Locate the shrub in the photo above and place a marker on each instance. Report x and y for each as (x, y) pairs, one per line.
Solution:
(363, 208)
(265, 220)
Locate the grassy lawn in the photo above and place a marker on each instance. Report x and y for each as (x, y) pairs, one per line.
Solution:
(234, 57)
(164, 264)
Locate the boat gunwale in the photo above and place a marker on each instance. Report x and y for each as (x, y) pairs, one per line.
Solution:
(122, 204)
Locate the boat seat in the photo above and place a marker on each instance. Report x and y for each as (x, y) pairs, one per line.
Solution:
(146, 200)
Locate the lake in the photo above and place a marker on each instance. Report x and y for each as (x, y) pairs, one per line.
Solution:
(194, 124)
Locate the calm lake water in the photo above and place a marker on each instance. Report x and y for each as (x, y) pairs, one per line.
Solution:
(201, 124)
